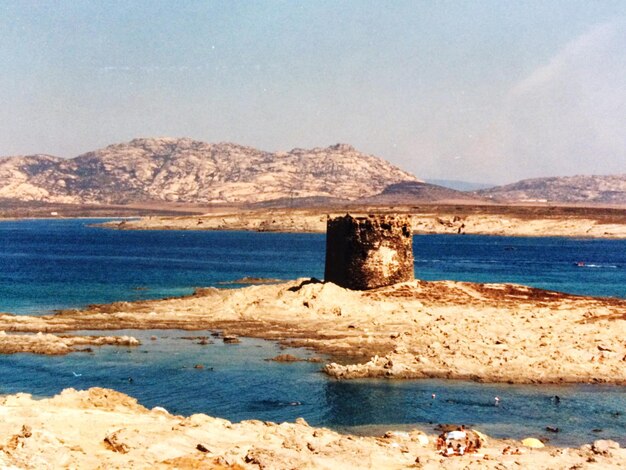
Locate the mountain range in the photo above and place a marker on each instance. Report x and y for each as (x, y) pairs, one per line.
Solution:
(186, 170)
(610, 189)
(182, 170)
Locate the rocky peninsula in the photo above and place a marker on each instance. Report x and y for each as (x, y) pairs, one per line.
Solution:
(455, 330)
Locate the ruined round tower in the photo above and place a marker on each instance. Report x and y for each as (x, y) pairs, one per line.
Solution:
(368, 252)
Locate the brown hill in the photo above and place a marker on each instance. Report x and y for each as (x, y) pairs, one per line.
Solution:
(416, 192)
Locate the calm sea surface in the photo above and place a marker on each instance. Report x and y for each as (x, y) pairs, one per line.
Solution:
(51, 264)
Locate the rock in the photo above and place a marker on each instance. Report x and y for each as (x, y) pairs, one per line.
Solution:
(186, 170)
(113, 443)
(604, 447)
(201, 448)
(231, 339)
(285, 358)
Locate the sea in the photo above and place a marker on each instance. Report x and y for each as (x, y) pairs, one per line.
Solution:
(46, 265)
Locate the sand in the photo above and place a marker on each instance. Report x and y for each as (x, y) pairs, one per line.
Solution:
(104, 429)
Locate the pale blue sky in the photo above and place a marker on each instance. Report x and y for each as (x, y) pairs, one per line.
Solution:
(486, 91)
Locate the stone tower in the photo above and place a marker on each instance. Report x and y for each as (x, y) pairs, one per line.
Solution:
(368, 252)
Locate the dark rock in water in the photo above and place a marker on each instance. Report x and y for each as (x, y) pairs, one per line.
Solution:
(369, 252)
(231, 339)
(202, 448)
(552, 429)
(285, 358)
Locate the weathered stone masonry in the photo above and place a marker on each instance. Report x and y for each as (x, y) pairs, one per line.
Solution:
(368, 252)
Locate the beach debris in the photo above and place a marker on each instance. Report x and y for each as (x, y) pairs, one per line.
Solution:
(160, 409)
(198, 366)
(533, 443)
(369, 252)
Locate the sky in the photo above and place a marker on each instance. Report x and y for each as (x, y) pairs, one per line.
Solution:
(482, 91)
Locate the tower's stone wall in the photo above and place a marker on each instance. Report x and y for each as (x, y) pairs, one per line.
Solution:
(368, 252)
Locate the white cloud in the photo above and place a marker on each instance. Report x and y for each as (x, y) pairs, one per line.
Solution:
(567, 117)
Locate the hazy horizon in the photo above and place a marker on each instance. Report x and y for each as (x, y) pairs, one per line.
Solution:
(488, 92)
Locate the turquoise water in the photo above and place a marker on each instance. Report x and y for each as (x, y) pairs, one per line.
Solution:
(63, 263)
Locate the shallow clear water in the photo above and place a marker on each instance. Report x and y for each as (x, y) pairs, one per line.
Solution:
(62, 263)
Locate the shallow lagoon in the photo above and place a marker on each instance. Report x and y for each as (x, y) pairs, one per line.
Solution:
(64, 263)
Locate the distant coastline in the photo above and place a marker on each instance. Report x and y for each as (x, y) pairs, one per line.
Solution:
(527, 221)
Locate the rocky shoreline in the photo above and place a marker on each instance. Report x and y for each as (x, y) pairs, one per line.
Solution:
(506, 221)
(419, 329)
(50, 344)
(111, 430)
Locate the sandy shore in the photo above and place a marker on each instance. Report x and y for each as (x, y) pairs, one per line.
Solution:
(457, 330)
(100, 428)
(508, 221)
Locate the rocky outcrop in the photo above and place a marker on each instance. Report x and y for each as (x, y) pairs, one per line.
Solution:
(571, 189)
(101, 428)
(186, 170)
(50, 344)
(369, 252)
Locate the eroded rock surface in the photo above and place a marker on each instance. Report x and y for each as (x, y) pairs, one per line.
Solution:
(483, 332)
(100, 428)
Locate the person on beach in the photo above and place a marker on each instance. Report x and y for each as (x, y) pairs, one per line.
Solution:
(470, 447)
(440, 442)
(449, 450)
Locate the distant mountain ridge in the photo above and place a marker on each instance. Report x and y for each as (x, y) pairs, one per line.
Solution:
(186, 170)
(609, 189)
(417, 192)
